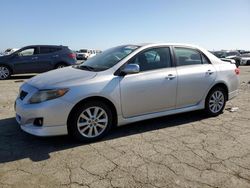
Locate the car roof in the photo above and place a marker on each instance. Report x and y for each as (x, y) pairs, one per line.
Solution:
(30, 46)
(167, 44)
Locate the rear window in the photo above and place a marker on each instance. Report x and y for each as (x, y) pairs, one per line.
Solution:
(83, 51)
(219, 54)
(46, 50)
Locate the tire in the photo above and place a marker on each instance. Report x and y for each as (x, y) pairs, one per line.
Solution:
(60, 65)
(215, 101)
(84, 128)
(5, 72)
(237, 63)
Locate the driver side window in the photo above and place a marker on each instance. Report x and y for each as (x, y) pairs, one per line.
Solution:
(153, 59)
(27, 52)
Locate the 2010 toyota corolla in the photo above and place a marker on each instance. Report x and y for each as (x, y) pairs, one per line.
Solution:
(122, 85)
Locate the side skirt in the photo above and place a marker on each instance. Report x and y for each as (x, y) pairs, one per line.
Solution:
(123, 121)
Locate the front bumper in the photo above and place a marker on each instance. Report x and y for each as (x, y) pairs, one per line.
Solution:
(54, 113)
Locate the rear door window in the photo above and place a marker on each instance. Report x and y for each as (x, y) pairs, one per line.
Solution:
(188, 56)
(47, 50)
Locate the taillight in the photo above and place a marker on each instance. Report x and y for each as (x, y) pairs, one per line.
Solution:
(237, 71)
(72, 55)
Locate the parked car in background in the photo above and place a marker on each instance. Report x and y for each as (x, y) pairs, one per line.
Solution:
(243, 52)
(82, 54)
(93, 53)
(36, 59)
(229, 60)
(9, 51)
(122, 85)
(235, 55)
(245, 59)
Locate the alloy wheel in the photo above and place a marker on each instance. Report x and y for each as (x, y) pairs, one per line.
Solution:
(216, 101)
(92, 122)
(4, 72)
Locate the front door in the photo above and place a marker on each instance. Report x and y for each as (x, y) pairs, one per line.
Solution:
(25, 60)
(153, 89)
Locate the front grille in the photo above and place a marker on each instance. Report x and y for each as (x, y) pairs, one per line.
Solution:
(23, 94)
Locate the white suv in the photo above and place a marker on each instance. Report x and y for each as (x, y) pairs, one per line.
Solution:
(82, 54)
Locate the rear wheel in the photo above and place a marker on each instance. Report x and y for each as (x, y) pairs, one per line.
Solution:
(215, 101)
(90, 122)
(60, 65)
(5, 72)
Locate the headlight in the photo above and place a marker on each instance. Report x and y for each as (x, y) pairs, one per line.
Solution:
(45, 95)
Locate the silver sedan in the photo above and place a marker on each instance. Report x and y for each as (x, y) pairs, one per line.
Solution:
(122, 85)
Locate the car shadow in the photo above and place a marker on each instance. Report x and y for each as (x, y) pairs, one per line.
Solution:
(16, 144)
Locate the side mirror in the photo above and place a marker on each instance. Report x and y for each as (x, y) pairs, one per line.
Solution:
(131, 69)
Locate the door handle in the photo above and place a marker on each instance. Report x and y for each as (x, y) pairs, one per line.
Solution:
(170, 77)
(56, 56)
(33, 58)
(209, 72)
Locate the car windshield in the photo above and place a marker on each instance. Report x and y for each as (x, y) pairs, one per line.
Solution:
(108, 58)
(219, 54)
(232, 53)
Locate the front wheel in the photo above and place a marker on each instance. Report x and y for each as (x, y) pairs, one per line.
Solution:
(90, 122)
(4, 72)
(215, 101)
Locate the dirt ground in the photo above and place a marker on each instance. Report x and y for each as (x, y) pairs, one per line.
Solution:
(186, 150)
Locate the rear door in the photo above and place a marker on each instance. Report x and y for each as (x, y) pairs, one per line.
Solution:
(195, 76)
(46, 58)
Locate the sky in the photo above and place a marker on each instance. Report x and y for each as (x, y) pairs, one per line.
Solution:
(101, 24)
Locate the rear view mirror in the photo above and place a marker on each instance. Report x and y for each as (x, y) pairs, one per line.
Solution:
(131, 69)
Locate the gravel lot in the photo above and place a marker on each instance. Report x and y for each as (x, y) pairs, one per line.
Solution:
(186, 150)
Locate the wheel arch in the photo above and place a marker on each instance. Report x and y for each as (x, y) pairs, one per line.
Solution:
(220, 85)
(11, 69)
(95, 98)
(60, 63)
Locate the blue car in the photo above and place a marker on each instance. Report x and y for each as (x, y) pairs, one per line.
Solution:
(36, 59)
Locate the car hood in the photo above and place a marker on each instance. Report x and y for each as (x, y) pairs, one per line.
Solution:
(60, 77)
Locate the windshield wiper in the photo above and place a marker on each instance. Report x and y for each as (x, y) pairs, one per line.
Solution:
(86, 67)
